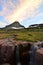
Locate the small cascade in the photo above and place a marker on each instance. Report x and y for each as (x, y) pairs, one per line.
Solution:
(17, 55)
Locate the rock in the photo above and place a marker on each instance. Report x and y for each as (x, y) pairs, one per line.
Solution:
(14, 53)
(39, 56)
(5, 64)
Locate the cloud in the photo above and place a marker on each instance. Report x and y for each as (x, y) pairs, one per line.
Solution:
(2, 24)
(19, 9)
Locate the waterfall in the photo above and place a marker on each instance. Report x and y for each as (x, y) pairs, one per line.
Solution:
(17, 55)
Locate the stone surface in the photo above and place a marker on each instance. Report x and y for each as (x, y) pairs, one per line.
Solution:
(39, 56)
(13, 52)
(5, 64)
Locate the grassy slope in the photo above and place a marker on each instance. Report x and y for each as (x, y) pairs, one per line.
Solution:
(31, 34)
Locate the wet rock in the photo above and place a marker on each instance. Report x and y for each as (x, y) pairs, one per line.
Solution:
(6, 51)
(5, 64)
(14, 52)
(39, 56)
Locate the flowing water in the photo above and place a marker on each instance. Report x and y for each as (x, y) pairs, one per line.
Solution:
(17, 55)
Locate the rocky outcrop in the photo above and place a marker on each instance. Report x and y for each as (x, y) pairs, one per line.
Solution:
(14, 52)
(36, 25)
(39, 56)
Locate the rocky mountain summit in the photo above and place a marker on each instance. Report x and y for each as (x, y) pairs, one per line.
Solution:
(15, 25)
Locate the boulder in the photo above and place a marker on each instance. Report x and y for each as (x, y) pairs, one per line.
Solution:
(13, 54)
(39, 56)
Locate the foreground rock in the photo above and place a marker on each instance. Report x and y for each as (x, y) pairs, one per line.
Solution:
(20, 53)
(14, 52)
(5, 64)
(39, 56)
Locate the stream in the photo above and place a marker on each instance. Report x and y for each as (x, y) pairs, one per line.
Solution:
(29, 54)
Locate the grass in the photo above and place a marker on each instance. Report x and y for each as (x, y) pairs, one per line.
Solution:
(33, 34)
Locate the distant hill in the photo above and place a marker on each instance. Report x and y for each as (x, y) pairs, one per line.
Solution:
(15, 25)
(36, 25)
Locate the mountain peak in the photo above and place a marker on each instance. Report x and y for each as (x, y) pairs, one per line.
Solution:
(15, 25)
(16, 22)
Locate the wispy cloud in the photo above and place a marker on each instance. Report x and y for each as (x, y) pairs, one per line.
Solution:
(26, 8)
(19, 9)
(2, 24)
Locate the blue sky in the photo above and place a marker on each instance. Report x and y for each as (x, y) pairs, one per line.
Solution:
(27, 12)
(0, 8)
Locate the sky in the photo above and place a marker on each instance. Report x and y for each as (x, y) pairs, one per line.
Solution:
(27, 12)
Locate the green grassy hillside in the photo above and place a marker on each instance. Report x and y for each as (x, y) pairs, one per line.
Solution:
(28, 34)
